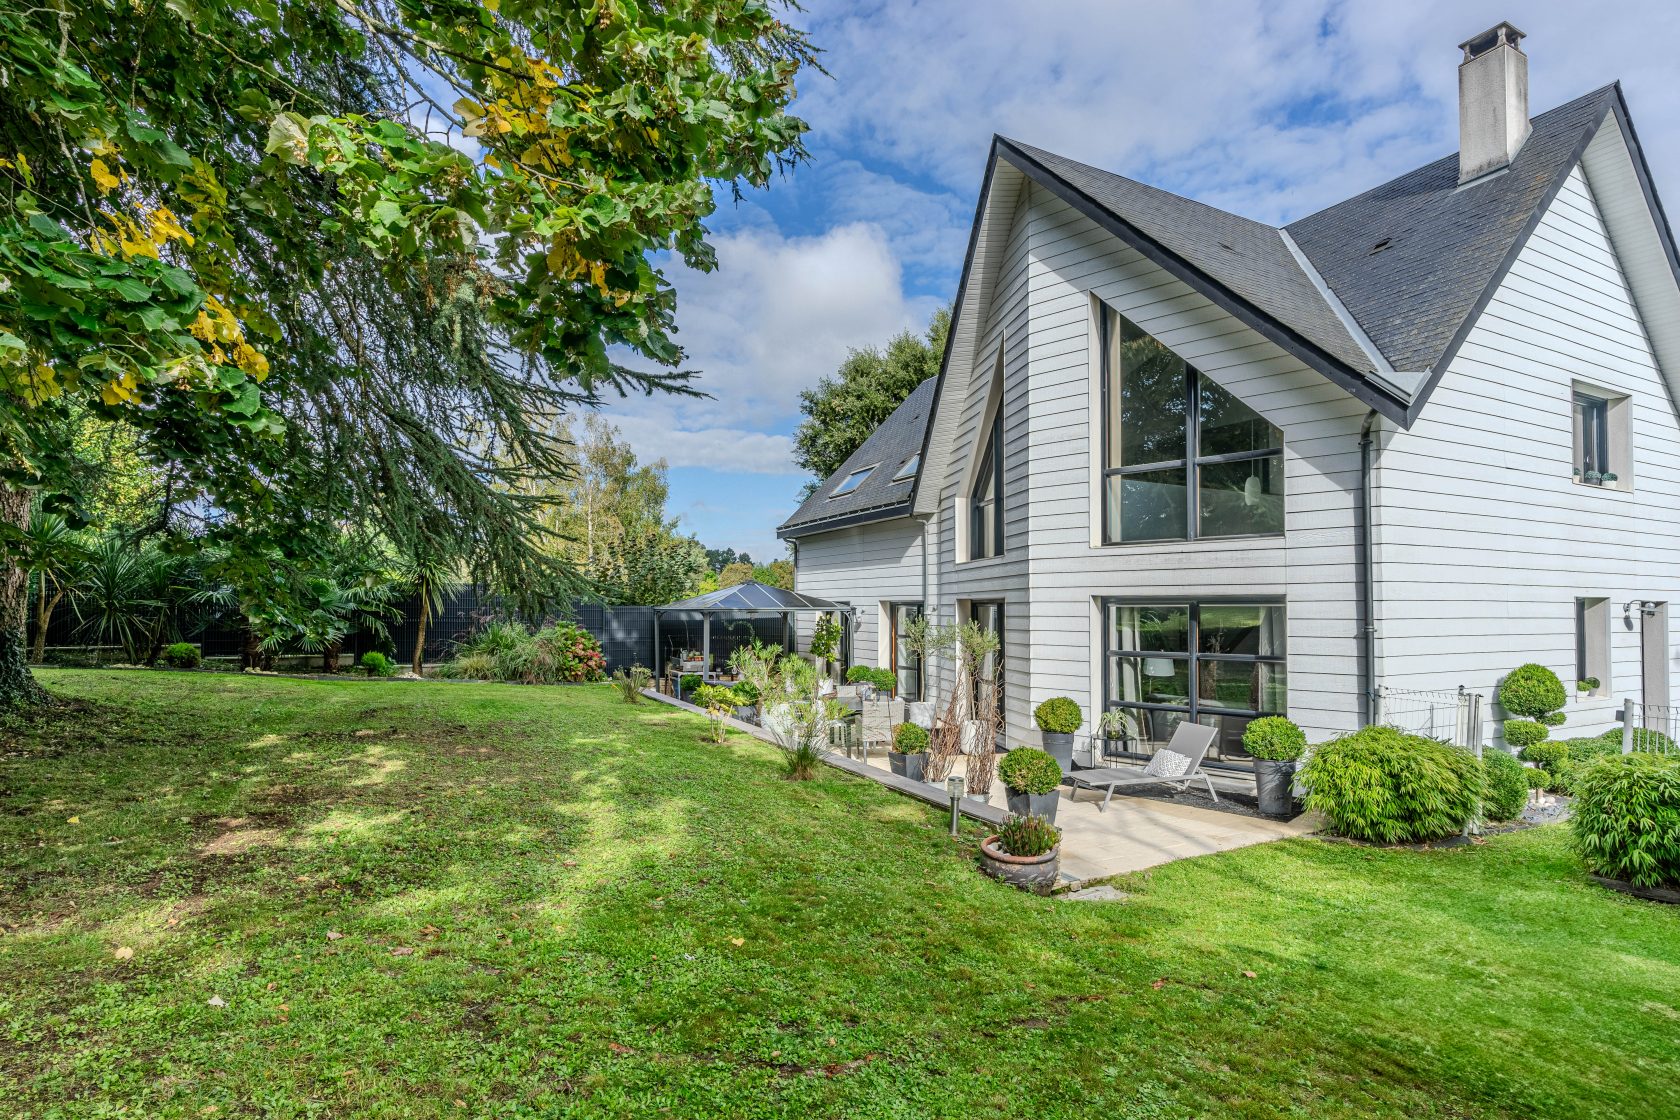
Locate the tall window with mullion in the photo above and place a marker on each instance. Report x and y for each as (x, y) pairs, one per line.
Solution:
(1222, 664)
(985, 512)
(1182, 457)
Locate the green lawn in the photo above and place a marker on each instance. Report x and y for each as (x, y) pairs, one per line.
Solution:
(554, 904)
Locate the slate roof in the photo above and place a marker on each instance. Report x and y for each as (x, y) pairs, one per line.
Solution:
(752, 596)
(878, 497)
(1248, 257)
(1411, 258)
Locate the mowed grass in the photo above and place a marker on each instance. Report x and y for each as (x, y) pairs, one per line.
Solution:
(554, 904)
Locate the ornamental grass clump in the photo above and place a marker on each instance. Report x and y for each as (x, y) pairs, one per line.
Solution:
(630, 683)
(1625, 823)
(1030, 770)
(1383, 785)
(1028, 836)
(1058, 715)
(1507, 786)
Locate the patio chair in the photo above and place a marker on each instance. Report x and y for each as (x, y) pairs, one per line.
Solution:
(1177, 764)
(879, 716)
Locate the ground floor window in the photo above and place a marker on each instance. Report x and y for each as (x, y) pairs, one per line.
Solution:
(1592, 646)
(988, 613)
(1218, 663)
(906, 662)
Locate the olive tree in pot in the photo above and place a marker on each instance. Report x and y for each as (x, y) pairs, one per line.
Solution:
(1058, 718)
(1030, 777)
(1276, 744)
(1026, 853)
(909, 751)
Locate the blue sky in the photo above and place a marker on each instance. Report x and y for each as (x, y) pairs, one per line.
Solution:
(1269, 109)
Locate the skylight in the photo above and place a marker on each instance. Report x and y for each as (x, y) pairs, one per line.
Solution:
(908, 470)
(853, 481)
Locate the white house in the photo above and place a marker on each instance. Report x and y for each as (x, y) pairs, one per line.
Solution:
(1195, 466)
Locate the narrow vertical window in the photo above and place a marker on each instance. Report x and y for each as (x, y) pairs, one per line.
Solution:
(985, 515)
(1592, 440)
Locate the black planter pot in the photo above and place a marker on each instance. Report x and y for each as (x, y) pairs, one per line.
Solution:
(1274, 783)
(908, 765)
(1033, 804)
(1059, 746)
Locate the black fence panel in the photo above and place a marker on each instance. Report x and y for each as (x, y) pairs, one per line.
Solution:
(625, 633)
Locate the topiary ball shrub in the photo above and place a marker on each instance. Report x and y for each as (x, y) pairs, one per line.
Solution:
(1274, 738)
(1058, 716)
(1028, 836)
(1625, 823)
(1383, 785)
(910, 738)
(1029, 770)
(1507, 786)
(1553, 719)
(182, 655)
(1531, 691)
(1524, 733)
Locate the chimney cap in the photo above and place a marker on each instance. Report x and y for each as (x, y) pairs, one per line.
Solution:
(1501, 34)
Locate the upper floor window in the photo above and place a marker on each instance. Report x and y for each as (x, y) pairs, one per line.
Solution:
(1598, 451)
(853, 481)
(1182, 457)
(908, 470)
(985, 510)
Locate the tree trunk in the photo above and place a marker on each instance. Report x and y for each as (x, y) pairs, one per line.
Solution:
(43, 619)
(329, 656)
(420, 630)
(251, 656)
(17, 686)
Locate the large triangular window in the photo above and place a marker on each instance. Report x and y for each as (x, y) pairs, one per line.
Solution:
(1182, 457)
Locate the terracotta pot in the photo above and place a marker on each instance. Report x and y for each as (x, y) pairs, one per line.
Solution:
(1030, 873)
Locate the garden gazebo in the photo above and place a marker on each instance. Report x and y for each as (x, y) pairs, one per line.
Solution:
(751, 598)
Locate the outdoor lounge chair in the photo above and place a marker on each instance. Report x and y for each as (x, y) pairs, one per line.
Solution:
(1177, 764)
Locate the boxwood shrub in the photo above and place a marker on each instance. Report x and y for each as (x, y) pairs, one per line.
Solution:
(1029, 770)
(376, 664)
(1625, 823)
(1524, 733)
(1531, 691)
(1276, 738)
(1507, 786)
(1384, 785)
(1059, 715)
(182, 655)
(910, 738)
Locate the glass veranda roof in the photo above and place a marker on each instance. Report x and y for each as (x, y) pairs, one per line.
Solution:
(752, 596)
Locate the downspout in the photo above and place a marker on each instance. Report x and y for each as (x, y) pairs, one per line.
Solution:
(1367, 580)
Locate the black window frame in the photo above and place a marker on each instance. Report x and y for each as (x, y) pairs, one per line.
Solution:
(993, 451)
(895, 638)
(1194, 708)
(978, 609)
(1193, 461)
(1592, 435)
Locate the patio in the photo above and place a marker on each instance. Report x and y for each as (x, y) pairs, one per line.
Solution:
(1134, 834)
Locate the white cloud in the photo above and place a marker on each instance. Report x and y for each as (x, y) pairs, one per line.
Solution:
(778, 314)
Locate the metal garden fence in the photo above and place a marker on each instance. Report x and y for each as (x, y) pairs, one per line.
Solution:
(1453, 717)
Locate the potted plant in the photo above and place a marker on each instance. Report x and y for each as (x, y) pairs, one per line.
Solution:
(1058, 718)
(1276, 744)
(1025, 852)
(871, 680)
(693, 661)
(687, 683)
(1031, 777)
(908, 755)
(1589, 684)
(1116, 726)
(746, 701)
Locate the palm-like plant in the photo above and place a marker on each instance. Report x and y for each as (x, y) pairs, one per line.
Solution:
(119, 599)
(53, 554)
(426, 576)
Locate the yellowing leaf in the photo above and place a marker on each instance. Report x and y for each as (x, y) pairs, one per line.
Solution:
(74, 820)
(124, 953)
(737, 941)
(102, 177)
(251, 360)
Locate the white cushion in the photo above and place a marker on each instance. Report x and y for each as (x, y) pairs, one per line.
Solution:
(1167, 764)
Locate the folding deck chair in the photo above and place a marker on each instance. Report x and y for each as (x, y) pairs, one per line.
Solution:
(1177, 764)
